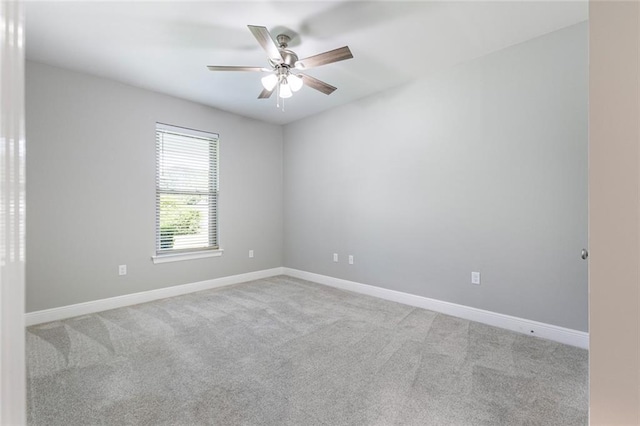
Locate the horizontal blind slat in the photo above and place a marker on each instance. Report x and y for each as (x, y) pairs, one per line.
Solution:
(186, 189)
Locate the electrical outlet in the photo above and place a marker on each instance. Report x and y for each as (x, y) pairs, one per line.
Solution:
(335, 257)
(251, 253)
(475, 278)
(122, 269)
(350, 259)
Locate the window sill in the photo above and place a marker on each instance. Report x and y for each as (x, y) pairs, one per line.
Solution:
(177, 257)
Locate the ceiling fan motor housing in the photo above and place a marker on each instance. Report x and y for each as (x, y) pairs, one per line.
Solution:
(289, 57)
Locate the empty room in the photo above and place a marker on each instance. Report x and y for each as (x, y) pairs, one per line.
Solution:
(319, 213)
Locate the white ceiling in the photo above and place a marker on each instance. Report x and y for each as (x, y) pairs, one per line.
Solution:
(165, 46)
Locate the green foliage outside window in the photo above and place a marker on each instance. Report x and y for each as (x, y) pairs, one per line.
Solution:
(177, 217)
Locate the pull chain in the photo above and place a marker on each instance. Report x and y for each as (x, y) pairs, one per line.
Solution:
(278, 98)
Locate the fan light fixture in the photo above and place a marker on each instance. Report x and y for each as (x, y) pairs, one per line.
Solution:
(269, 82)
(282, 61)
(295, 82)
(284, 90)
(286, 81)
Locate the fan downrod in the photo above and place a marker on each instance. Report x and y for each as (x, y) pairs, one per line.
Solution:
(289, 57)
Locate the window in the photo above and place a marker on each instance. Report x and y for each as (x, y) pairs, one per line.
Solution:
(186, 193)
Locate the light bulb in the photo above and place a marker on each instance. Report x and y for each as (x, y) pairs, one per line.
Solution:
(269, 81)
(295, 82)
(285, 90)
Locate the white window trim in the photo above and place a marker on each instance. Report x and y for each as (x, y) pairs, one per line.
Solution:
(178, 257)
(187, 131)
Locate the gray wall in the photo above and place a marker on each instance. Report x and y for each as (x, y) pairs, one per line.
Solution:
(482, 168)
(91, 189)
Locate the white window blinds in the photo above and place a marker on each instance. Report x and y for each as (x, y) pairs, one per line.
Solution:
(186, 190)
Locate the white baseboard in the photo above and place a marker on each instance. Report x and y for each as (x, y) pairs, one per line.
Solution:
(521, 325)
(85, 308)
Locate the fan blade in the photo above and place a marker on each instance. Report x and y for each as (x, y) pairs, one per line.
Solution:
(265, 94)
(329, 57)
(319, 85)
(226, 68)
(264, 38)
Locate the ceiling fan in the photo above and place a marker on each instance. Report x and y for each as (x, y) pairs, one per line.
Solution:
(283, 62)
